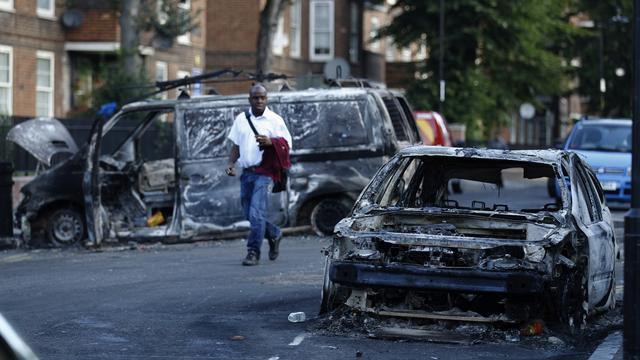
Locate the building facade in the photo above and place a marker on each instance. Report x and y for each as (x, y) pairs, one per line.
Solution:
(53, 53)
(52, 56)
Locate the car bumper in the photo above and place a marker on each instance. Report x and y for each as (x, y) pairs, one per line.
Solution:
(616, 188)
(360, 275)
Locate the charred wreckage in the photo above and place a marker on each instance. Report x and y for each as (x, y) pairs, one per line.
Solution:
(122, 186)
(504, 249)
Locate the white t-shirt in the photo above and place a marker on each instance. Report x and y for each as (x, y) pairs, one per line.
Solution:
(269, 124)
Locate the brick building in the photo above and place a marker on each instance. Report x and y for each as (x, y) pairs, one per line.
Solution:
(50, 55)
(310, 33)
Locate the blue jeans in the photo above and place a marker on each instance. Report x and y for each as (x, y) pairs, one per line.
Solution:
(254, 196)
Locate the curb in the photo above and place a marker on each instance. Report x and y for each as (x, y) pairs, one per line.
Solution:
(610, 348)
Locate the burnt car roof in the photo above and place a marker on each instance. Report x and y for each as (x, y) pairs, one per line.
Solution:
(544, 156)
(327, 94)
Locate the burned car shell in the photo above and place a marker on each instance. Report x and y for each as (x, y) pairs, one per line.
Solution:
(565, 256)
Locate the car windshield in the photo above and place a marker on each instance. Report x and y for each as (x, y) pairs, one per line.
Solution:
(469, 183)
(602, 137)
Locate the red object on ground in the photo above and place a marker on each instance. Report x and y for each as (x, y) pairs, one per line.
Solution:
(433, 128)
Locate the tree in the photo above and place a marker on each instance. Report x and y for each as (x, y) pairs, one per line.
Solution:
(602, 50)
(164, 20)
(497, 54)
(268, 26)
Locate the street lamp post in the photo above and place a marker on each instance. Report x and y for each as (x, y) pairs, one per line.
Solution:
(631, 338)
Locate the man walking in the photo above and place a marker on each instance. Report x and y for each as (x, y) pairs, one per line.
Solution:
(253, 131)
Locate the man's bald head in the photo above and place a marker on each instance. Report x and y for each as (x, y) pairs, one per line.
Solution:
(258, 99)
(257, 88)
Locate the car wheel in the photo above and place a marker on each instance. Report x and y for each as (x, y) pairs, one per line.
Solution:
(332, 295)
(326, 214)
(573, 301)
(65, 227)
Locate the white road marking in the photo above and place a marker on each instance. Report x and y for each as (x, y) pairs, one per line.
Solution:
(274, 358)
(297, 340)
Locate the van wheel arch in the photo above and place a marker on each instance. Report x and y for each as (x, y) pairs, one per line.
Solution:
(57, 234)
(323, 212)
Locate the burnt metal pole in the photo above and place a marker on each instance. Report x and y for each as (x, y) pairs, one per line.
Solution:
(631, 337)
(441, 83)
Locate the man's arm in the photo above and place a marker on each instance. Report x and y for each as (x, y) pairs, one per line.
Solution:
(233, 157)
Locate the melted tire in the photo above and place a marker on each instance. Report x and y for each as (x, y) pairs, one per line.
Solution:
(573, 300)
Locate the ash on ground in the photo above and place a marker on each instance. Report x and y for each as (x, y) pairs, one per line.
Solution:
(348, 322)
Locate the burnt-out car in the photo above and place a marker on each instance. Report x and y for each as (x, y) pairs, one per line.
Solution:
(123, 187)
(504, 250)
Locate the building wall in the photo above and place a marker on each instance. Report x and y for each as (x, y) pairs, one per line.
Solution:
(26, 33)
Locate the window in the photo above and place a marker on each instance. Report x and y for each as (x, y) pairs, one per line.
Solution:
(6, 5)
(354, 33)
(162, 74)
(374, 28)
(185, 39)
(280, 39)
(389, 51)
(6, 77)
(44, 83)
(294, 28)
(321, 32)
(46, 8)
(326, 124)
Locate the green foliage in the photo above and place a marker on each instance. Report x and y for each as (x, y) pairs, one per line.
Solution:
(6, 147)
(497, 54)
(613, 21)
(117, 85)
(165, 18)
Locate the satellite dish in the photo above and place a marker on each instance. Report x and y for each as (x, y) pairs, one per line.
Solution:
(337, 68)
(72, 18)
(527, 111)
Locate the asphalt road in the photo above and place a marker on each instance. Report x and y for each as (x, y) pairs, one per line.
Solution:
(189, 302)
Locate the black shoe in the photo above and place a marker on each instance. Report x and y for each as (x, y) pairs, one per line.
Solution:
(253, 258)
(274, 245)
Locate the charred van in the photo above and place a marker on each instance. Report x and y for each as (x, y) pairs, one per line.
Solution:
(340, 138)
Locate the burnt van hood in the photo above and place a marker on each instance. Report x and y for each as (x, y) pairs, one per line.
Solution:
(43, 138)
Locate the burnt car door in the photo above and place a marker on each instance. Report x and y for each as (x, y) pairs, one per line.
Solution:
(210, 199)
(596, 226)
(117, 204)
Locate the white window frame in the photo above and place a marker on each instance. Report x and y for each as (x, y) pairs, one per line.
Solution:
(295, 41)
(185, 39)
(312, 55)
(164, 67)
(8, 85)
(48, 13)
(280, 39)
(389, 51)
(7, 5)
(374, 45)
(48, 55)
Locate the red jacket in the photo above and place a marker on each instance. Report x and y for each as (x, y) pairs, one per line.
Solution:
(275, 159)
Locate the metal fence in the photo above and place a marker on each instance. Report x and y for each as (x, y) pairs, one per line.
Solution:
(157, 140)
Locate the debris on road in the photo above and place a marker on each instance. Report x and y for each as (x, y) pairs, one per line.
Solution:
(297, 317)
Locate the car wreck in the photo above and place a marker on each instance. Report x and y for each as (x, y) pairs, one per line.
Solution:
(503, 250)
(120, 186)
